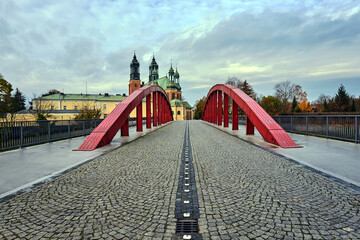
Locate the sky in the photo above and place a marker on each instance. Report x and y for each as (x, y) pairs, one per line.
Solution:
(69, 44)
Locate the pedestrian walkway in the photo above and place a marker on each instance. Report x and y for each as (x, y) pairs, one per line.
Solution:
(243, 192)
(336, 158)
(23, 168)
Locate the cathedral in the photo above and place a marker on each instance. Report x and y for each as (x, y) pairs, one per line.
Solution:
(182, 110)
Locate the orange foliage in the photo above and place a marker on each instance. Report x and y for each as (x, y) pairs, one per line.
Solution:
(305, 106)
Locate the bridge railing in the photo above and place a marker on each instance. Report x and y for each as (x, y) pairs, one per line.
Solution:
(341, 127)
(26, 133)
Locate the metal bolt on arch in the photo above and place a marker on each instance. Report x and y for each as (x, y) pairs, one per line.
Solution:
(119, 117)
(256, 116)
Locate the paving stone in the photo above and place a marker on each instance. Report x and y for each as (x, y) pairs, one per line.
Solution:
(111, 197)
(260, 192)
(244, 193)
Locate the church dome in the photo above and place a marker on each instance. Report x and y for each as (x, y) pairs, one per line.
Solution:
(178, 86)
(171, 85)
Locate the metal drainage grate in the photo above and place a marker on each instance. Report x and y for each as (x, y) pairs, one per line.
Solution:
(187, 204)
(187, 229)
(187, 226)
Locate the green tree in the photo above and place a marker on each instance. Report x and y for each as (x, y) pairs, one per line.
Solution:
(5, 97)
(17, 103)
(342, 99)
(19, 100)
(199, 108)
(247, 88)
(325, 106)
(294, 104)
(271, 105)
(242, 85)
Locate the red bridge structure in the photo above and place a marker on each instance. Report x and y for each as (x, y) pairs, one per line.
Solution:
(119, 117)
(256, 116)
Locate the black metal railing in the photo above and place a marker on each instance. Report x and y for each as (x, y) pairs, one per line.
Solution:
(341, 127)
(26, 133)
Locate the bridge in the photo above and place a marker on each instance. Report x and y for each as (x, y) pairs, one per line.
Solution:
(186, 180)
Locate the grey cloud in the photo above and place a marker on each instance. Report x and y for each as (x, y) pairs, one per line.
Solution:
(82, 56)
(291, 43)
(269, 30)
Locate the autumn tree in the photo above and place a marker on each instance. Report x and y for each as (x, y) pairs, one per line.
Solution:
(271, 105)
(305, 106)
(199, 107)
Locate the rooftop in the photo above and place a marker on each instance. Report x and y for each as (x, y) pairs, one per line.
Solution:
(91, 97)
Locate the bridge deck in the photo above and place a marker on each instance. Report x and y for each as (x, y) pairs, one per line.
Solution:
(243, 191)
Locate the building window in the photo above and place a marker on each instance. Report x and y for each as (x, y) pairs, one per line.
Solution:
(52, 107)
(105, 115)
(173, 96)
(135, 85)
(104, 106)
(178, 112)
(64, 107)
(76, 107)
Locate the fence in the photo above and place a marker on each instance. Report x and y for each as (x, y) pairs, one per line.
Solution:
(26, 133)
(342, 127)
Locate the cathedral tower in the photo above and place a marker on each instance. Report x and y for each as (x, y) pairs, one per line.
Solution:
(134, 82)
(171, 74)
(153, 70)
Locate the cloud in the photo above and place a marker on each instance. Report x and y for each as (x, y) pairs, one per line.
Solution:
(271, 46)
(64, 44)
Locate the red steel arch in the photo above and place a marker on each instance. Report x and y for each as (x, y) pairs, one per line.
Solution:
(119, 117)
(256, 116)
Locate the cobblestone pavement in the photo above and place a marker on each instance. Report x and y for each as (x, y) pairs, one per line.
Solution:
(128, 194)
(248, 193)
(244, 193)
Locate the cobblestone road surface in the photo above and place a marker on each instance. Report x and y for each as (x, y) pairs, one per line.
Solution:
(244, 193)
(128, 194)
(248, 193)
